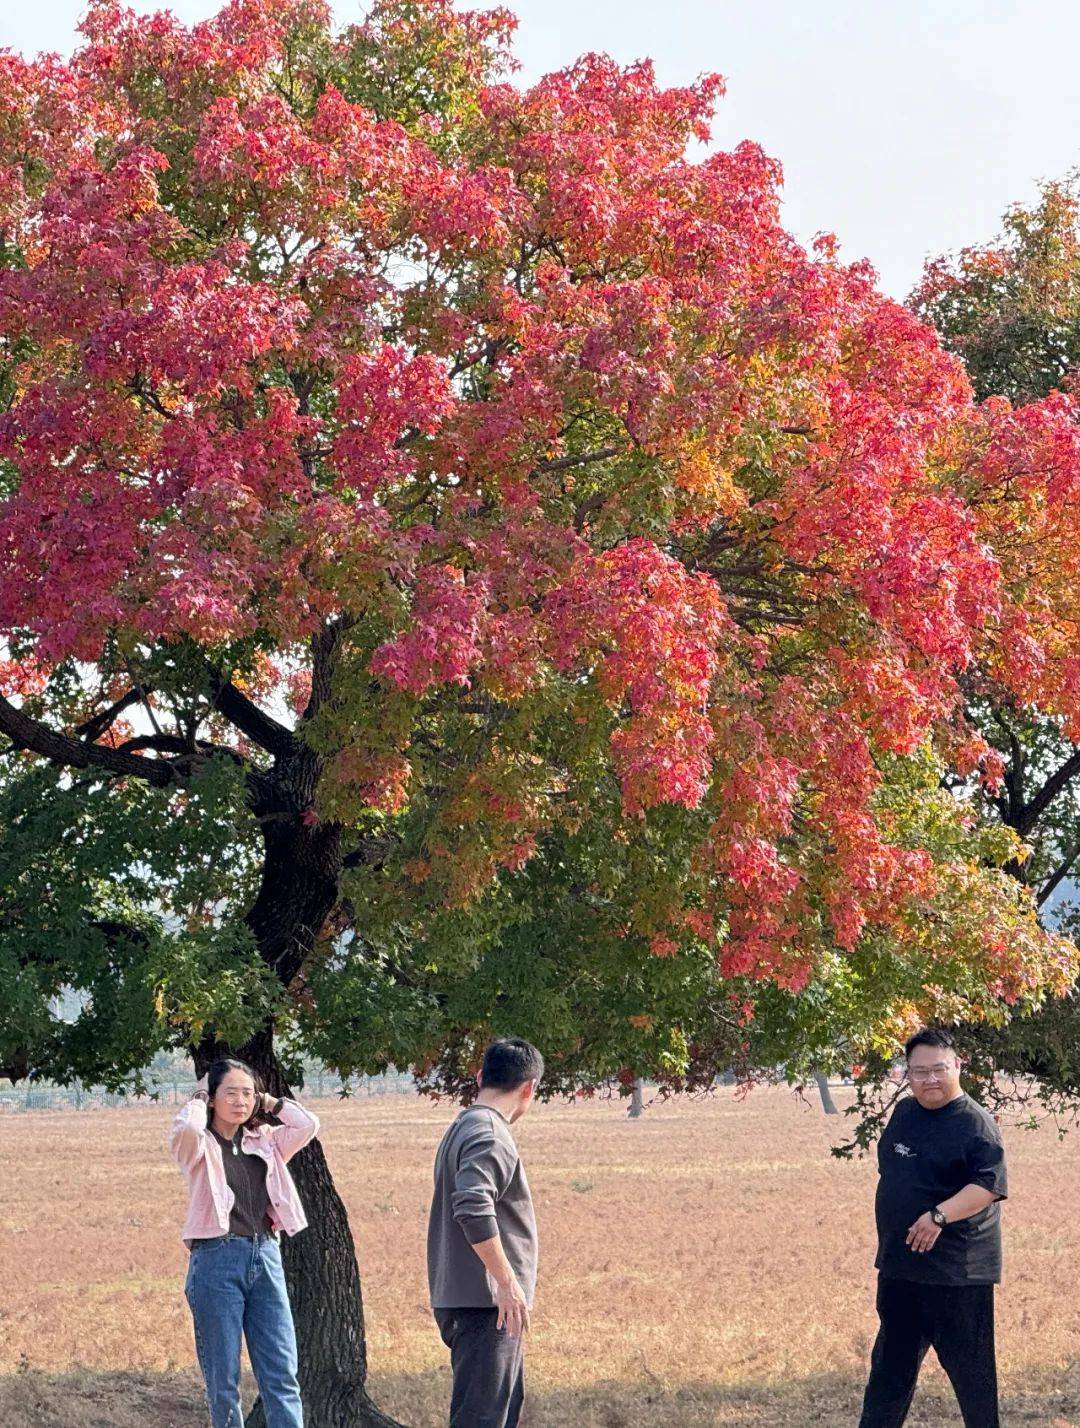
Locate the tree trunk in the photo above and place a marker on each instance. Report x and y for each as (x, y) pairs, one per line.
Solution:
(299, 888)
(324, 1288)
(636, 1103)
(828, 1105)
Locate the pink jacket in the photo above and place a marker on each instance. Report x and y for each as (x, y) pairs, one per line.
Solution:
(199, 1157)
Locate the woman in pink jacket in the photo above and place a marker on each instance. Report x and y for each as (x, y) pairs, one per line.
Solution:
(241, 1197)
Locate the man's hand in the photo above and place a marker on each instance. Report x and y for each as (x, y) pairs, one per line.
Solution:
(923, 1234)
(513, 1311)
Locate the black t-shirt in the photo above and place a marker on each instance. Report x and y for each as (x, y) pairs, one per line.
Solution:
(925, 1157)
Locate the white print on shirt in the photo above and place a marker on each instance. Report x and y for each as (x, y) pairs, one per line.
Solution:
(905, 1150)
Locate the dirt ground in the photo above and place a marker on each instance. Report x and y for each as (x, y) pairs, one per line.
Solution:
(708, 1264)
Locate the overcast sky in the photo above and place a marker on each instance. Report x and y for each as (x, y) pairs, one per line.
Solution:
(905, 128)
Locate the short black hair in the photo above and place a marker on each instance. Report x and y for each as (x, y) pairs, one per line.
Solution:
(510, 1062)
(930, 1036)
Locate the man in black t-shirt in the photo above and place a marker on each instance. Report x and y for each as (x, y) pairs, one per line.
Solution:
(941, 1170)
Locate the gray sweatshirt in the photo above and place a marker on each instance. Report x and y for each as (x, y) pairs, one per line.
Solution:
(480, 1192)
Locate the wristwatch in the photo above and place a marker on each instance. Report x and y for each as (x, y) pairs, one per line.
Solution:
(938, 1218)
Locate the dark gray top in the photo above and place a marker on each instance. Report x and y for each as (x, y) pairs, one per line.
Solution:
(246, 1178)
(480, 1191)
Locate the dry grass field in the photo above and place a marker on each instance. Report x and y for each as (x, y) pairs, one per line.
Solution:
(708, 1264)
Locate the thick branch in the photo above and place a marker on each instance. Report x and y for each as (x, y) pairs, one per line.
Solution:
(174, 744)
(586, 458)
(1011, 803)
(1061, 872)
(372, 852)
(38, 738)
(258, 726)
(587, 507)
(142, 389)
(93, 728)
(1055, 784)
(325, 648)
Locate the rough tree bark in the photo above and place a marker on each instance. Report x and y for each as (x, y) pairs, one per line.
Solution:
(300, 886)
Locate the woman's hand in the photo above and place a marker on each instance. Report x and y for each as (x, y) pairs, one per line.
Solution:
(202, 1090)
(268, 1103)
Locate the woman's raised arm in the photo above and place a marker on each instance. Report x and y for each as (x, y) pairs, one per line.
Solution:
(187, 1139)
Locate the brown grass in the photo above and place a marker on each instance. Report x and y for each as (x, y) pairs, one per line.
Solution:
(709, 1264)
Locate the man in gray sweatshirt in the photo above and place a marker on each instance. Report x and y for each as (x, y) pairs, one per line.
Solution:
(482, 1243)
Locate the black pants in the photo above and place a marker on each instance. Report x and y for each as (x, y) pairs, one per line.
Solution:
(489, 1369)
(958, 1322)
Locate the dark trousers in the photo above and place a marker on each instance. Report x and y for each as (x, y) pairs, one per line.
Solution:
(957, 1321)
(489, 1369)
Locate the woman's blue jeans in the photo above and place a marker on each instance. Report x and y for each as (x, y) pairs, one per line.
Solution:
(237, 1286)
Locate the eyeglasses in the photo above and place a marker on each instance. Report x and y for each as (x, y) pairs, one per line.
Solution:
(923, 1073)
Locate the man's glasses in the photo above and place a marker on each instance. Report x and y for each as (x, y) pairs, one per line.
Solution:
(923, 1073)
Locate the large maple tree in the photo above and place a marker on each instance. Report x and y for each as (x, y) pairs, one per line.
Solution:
(464, 563)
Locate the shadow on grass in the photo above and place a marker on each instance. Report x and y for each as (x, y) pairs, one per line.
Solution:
(828, 1400)
(147, 1400)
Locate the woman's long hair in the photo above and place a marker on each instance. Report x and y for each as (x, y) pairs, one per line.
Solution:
(217, 1073)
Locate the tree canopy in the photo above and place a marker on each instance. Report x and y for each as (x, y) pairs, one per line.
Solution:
(455, 544)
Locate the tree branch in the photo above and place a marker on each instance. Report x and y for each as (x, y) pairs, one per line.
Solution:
(142, 389)
(372, 852)
(275, 738)
(587, 507)
(1032, 811)
(1011, 803)
(586, 458)
(174, 744)
(1060, 873)
(94, 727)
(325, 648)
(38, 738)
